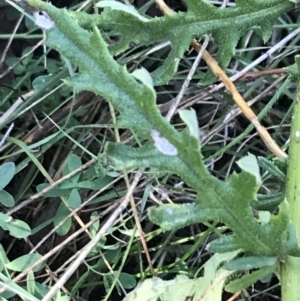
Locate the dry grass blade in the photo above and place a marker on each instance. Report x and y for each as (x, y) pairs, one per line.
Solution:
(74, 266)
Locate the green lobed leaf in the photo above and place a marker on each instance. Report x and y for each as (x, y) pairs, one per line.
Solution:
(249, 263)
(271, 168)
(268, 202)
(225, 25)
(124, 156)
(224, 244)
(228, 202)
(249, 279)
(174, 216)
(99, 72)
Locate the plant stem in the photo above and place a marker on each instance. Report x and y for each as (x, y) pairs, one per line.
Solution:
(290, 269)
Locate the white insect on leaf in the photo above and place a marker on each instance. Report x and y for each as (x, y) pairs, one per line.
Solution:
(163, 144)
(43, 21)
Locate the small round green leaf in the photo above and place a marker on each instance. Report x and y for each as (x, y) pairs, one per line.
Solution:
(5, 218)
(7, 171)
(61, 214)
(4, 221)
(19, 69)
(74, 162)
(42, 82)
(22, 263)
(19, 229)
(74, 200)
(128, 281)
(6, 199)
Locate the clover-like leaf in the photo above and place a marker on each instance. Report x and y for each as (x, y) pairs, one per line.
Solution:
(7, 171)
(23, 262)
